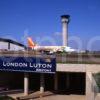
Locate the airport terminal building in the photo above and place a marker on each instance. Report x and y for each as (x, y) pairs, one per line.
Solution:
(8, 44)
(66, 73)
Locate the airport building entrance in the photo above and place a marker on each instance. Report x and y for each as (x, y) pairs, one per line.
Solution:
(71, 83)
(26, 66)
(66, 83)
(38, 74)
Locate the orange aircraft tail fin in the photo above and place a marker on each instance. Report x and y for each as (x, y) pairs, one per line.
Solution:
(31, 44)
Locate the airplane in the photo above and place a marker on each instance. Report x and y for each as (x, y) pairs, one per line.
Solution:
(51, 49)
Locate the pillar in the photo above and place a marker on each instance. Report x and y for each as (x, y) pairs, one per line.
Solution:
(67, 81)
(42, 83)
(89, 86)
(26, 83)
(55, 82)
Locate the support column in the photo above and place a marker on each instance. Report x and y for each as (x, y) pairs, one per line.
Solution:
(55, 82)
(42, 83)
(67, 81)
(89, 86)
(26, 83)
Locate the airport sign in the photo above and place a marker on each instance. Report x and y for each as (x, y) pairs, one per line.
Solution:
(28, 64)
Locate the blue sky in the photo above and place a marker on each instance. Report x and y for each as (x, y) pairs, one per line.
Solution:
(40, 19)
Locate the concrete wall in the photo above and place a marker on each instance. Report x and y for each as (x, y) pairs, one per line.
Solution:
(78, 58)
(89, 69)
(71, 68)
(94, 68)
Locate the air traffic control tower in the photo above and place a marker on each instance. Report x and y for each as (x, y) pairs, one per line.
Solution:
(65, 20)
